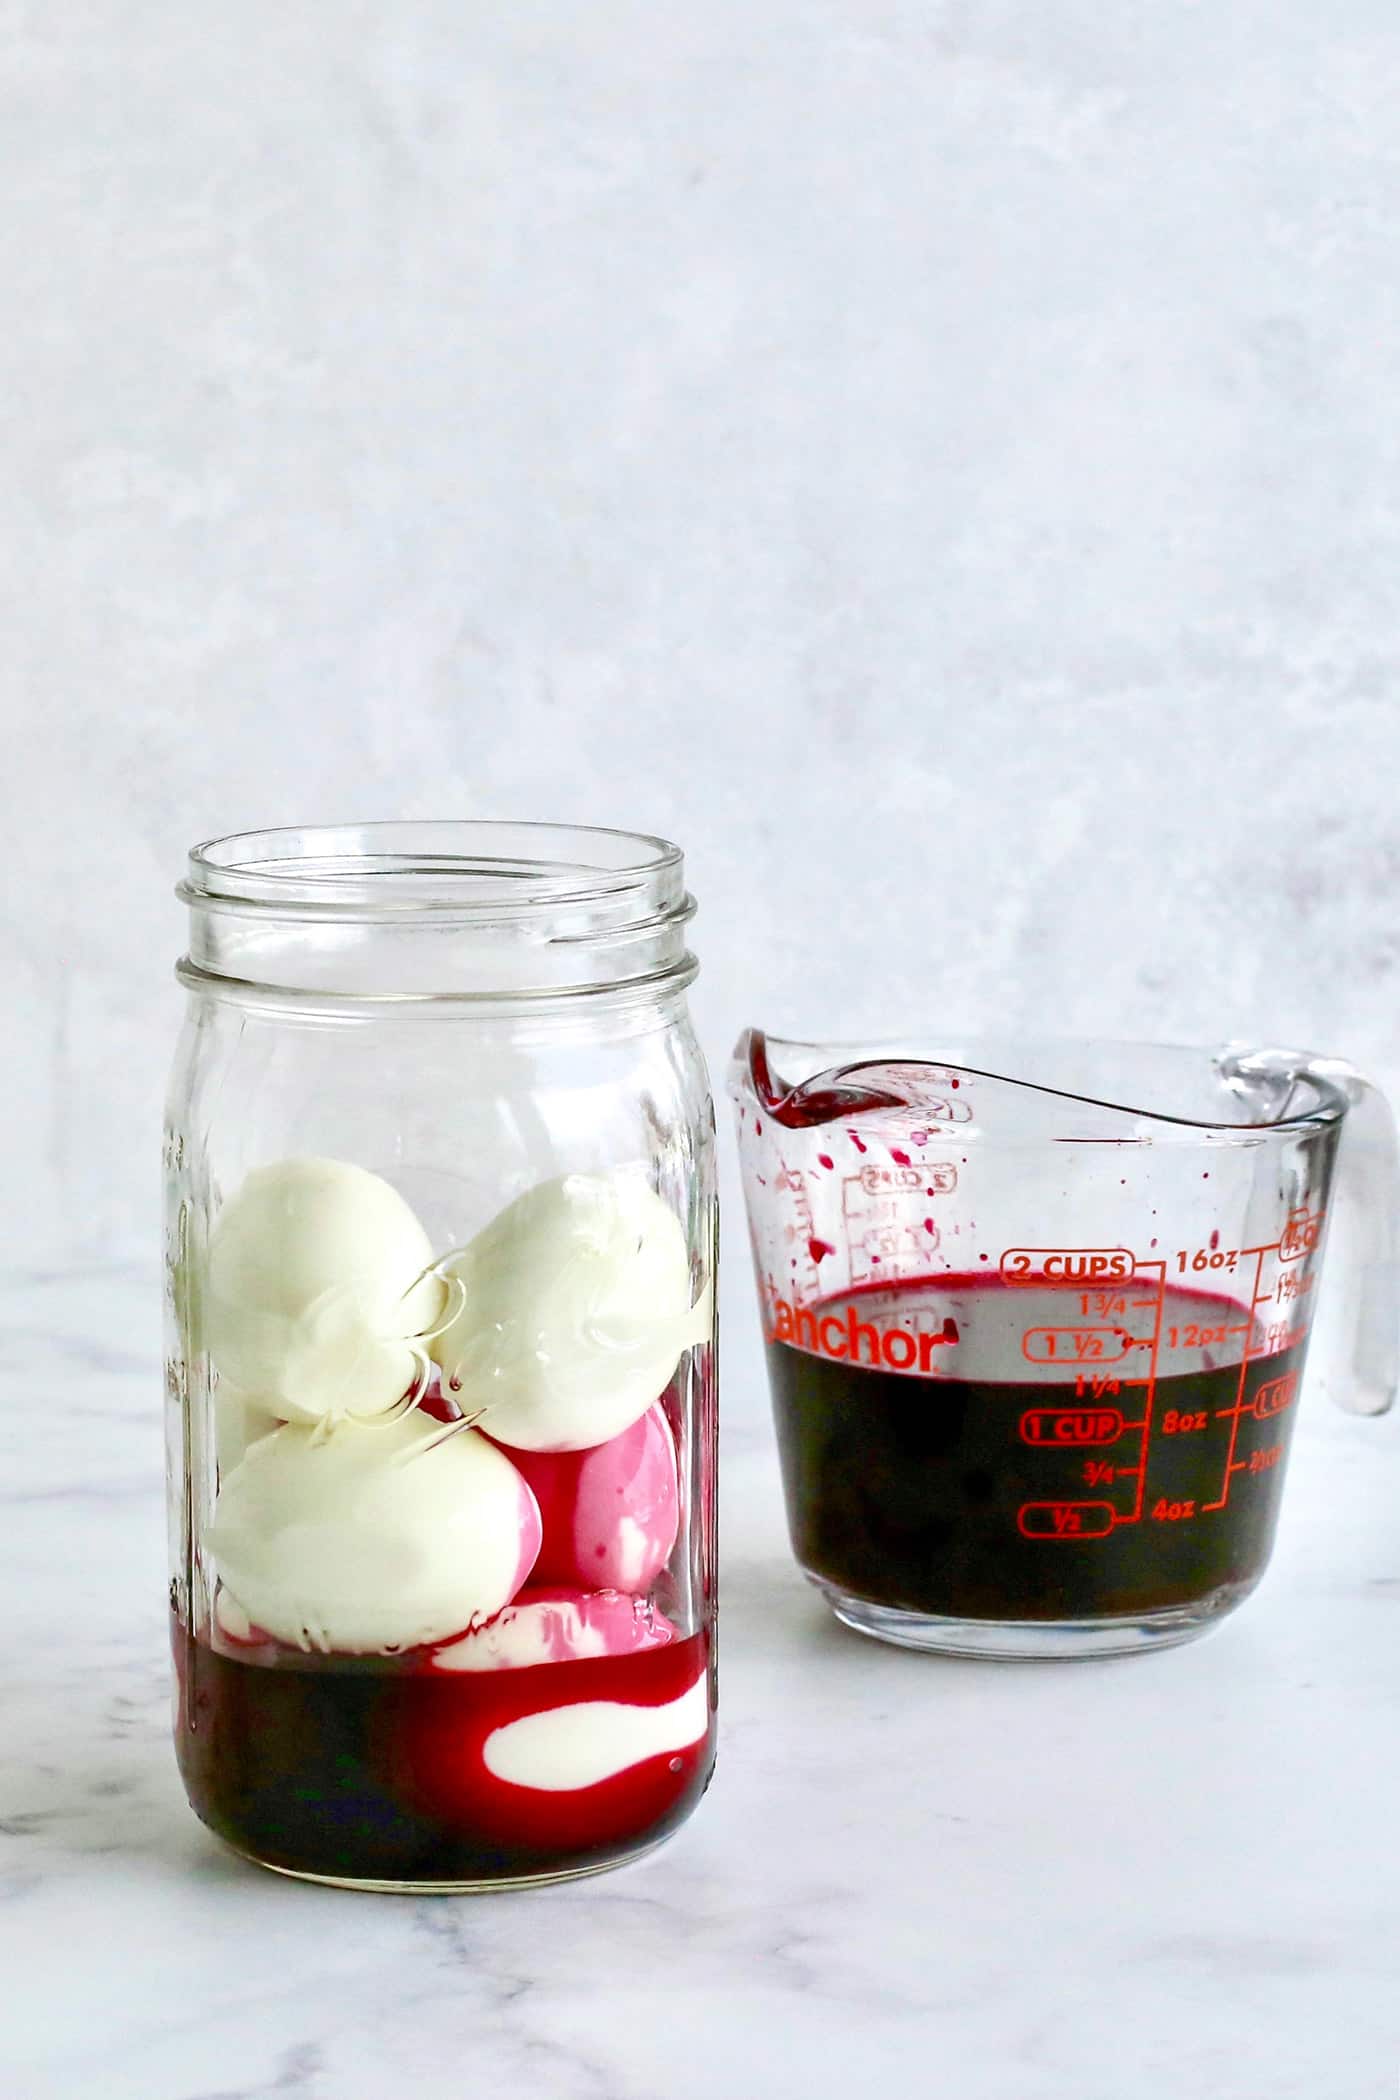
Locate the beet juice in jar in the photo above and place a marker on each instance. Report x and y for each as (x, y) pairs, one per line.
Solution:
(441, 1406)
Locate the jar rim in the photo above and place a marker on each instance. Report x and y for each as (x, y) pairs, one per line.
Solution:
(465, 868)
(455, 909)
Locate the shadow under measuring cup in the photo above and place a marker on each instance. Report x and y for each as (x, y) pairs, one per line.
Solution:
(1036, 1319)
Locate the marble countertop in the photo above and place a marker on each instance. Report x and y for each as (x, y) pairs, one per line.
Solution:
(1168, 1875)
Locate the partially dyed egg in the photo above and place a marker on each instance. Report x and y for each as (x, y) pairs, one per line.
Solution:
(315, 1284)
(581, 1755)
(555, 1626)
(610, 1515)
(568, 1750)
(233, 1633)
(374, 1536)
(575, 1306)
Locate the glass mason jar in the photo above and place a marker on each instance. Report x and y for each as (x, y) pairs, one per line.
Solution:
(441, 1403)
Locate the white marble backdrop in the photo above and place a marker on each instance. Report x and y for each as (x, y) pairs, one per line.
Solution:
(937, 461)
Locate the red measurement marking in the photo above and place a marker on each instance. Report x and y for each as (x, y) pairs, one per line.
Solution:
(1236, 1410)
(1066, 1264)
(1273, 1398)
(819, 1249)
(1071, 1425)
(1091, 1385)
(1192, 1336)
(1149, 1398)
(1102, 1305)
(1301, 1234)
(1075, 1345)
(1065, 1520)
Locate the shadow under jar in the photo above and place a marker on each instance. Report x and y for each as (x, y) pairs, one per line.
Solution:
(441, 1417)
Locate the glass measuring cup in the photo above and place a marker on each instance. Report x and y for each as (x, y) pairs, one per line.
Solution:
(1036, 1316)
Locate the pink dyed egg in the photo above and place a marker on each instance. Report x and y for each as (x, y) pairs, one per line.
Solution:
(232, 1632)
(565, 1758)
(557, 1625)
(609, 1514)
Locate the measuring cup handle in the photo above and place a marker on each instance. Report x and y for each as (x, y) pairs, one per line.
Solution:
(1363, 1287)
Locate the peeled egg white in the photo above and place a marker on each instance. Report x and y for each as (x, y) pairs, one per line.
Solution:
(315, 1284)
(556, 1625)
(238, 1422)
(574, 1309)
(374, 1535)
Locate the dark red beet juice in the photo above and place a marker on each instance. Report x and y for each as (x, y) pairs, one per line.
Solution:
(967, 1449)
(378, 1768)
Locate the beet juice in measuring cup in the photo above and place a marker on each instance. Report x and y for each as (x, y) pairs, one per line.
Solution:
(1036, 1319)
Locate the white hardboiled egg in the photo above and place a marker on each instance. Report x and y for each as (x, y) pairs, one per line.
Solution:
(374, 1535)
(315, 1285)
(574, 1308)
(238, 1422)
